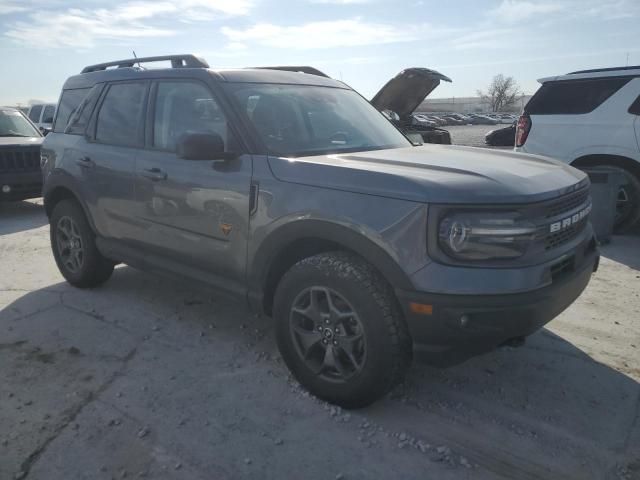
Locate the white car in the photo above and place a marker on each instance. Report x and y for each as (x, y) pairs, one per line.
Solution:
(590, 118)
(42, 115)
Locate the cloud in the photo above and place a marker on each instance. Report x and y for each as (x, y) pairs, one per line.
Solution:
(490, 38)
(326, 34)
(84, 27)
(342, 2)
(11, 6)
(512, 11)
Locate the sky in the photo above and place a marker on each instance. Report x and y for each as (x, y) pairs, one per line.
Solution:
(362, 42)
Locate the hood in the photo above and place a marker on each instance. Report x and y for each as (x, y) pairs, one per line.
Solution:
(435, 174)
(404, 92)
(20, 141)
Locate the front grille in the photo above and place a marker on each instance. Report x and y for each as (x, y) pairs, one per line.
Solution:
(557, 239)
(18, 160)
(567, 203)
(561, 209)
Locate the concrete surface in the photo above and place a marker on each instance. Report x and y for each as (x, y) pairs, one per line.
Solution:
(154, 378)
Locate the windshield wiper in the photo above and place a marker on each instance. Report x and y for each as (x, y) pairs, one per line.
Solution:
(14, 135)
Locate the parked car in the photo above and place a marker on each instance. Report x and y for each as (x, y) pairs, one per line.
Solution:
(20, 140)
(42, 115)
(501, 137)
(418, 119)
(295, 194)
(403, 94)
(476, 119)
(590, 118)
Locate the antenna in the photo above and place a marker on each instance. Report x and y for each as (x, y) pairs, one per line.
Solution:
(136, 57)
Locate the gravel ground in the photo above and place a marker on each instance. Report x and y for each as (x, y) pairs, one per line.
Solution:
(153, 378)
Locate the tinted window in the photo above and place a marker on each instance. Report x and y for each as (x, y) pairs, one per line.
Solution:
(80, 117)
(185, 107)
(49, 112)
(299, 120)
(119, 120)
(34, 114)
(574, 96)
(635, 107)
(68, 103)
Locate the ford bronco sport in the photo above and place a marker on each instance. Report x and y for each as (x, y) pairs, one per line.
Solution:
(291, 191)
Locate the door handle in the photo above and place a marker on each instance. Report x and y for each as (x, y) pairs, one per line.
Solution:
(85, 162)
(154, 174)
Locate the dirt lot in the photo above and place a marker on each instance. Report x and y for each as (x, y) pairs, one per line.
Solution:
(147, 377)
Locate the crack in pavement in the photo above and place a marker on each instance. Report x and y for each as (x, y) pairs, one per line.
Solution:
(71, 415)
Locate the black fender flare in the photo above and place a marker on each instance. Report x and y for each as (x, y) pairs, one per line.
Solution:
(59, 180)
(342, 236)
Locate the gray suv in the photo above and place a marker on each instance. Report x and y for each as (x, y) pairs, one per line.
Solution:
(289, 190)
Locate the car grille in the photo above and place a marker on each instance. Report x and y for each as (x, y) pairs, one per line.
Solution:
(17, 160)
(567, 203)
(560, 209)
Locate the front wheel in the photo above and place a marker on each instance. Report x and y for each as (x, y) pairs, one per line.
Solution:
(340, 330)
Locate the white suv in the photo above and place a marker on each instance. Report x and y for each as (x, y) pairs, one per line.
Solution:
(589, 118)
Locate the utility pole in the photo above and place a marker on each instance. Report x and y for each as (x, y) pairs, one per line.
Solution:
(627, 60)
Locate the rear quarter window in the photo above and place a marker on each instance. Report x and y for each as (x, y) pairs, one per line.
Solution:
(635, 107)
(573, 97)
(69, 102)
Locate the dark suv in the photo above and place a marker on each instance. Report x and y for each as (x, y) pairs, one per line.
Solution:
(20, 140)
(291, 191)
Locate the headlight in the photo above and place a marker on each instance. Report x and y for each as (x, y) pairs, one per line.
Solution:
(485, 235)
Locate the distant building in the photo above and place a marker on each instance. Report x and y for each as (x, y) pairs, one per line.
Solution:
(466, 105)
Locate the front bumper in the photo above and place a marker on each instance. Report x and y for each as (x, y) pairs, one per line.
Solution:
(463, 326)
(22, 185)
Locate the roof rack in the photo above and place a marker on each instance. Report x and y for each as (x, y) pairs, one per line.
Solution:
(177, 61)
(301, 69)
(610, 69)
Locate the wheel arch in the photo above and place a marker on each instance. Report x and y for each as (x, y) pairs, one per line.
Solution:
(301, 239)
(55, 192)
(621, 161)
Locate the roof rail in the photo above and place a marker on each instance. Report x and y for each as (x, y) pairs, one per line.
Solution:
(177, 61)
(610, 69)
(301, 69)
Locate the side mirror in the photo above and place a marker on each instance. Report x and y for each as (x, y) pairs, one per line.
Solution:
(202, 146)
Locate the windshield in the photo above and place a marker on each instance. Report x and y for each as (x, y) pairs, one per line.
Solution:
(14, 124)
(301, 120)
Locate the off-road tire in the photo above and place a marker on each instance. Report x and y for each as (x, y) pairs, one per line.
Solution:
(388, 344)
(95, 269)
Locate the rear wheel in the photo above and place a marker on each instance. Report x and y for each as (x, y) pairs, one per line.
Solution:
(74, 248)
(340, 330)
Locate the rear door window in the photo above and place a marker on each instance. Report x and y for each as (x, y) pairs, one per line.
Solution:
(573, 97)
(69, 101)
(120, 118)
(34, 114)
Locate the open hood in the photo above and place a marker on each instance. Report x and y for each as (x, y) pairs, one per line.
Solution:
(404, 92)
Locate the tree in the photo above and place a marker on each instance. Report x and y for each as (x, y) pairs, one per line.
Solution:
(502, 93)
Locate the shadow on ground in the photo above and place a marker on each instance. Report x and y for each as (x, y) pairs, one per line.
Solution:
(153, 376)
(624, 249)
(21, 216)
